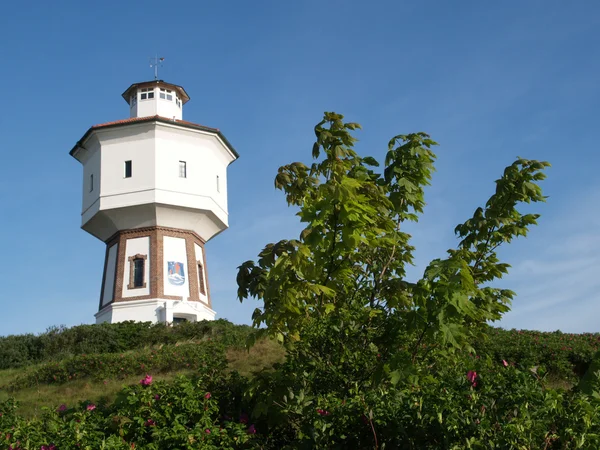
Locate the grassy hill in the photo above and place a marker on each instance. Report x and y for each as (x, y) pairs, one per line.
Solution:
(55, 376)
(94, 362)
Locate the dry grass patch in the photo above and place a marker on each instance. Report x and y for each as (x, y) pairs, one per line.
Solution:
(262, 355)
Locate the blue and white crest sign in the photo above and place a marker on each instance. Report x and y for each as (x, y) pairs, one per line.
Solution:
(176, 273)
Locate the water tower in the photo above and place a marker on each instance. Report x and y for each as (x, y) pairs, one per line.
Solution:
(154, 191)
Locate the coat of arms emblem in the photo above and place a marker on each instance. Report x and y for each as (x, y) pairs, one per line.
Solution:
(176, 274)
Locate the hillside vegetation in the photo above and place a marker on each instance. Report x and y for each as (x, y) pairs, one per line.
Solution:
(354, 355)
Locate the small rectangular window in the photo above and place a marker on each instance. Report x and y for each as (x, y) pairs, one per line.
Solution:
(127, 169)
(91, 182)
(218, 185)
(138, 272)
(182, 169)
(147, 93)
(201, 283)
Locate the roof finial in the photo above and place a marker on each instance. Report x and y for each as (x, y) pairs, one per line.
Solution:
(156, 62)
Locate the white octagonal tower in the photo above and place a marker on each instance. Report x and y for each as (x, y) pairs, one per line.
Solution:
(155, 191)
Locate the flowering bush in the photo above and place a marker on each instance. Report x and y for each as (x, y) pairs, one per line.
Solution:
(373, 360)
(564, 355)
(155, 416)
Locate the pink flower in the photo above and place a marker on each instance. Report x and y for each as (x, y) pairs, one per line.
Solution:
(207, 431)
(157, 397)
(504, 363)
(207, 395)
(62, 408)
(150, 423)
(252, 429)
(472, 376)
(146, 381)
(91, 407)
(322, 412)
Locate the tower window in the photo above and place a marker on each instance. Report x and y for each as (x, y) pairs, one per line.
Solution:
(127, 169)
(166, 94)
(91, 182)
(182, 169)
(147, 93)
(218, 185)
(137, 271)
(201, 282)
(133, 100)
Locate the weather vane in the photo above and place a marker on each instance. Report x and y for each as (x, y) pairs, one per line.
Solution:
(156, 62)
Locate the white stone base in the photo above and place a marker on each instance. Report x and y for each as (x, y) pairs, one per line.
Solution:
(155, 311)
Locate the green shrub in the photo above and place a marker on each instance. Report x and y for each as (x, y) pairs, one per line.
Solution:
(61, 342)
(565, 356)
(209, 357)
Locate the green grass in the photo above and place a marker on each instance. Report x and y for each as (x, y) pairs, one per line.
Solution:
(31, 400)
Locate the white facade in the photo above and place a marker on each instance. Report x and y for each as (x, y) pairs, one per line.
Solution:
(154, 310)
(156, 194)
(156, 98)
(164, 177)
(109, 279)
(175, 253)
(136, 246)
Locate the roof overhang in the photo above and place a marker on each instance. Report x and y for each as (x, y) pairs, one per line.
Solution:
(180, 90)
(136, 120)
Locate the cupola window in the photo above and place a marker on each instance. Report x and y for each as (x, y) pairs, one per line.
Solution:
(147, 93)
(133, 100)
(166, 94)
(182, 169)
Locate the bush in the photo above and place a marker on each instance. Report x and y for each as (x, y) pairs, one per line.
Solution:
(209, 357)
(61, 342)
(565, 356)
(187, 413)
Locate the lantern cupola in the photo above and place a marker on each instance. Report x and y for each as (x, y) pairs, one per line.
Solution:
(156, 98)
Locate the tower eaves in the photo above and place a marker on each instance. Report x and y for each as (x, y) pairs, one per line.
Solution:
(181, 91)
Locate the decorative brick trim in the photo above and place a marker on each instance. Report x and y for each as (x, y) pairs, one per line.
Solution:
(156, 264)
(122, 238)
(190, 251)
(204, 266)
(104, 276)
(147, 230)
(131, 260)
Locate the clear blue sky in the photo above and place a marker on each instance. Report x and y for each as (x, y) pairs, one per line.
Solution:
(488, 80)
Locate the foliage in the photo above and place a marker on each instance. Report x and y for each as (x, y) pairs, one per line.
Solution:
(60, 342)
(184, 414)
(359, 334)
(565, 356)
(208, 357)
(373, 360)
